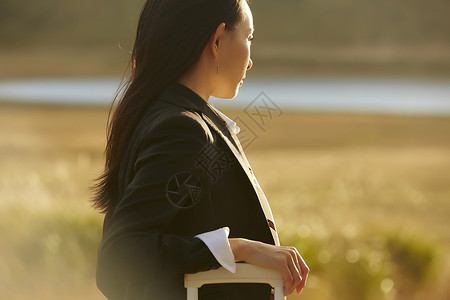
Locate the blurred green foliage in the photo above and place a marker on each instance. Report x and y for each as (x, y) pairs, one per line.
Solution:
(287, 21)
(293, 37)
(377, 265)
(415, 261)
(44, 251)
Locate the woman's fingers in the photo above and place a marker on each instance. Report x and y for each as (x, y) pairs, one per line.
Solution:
(297, 258)
(287, 278)
(304, 271)
(294, 278)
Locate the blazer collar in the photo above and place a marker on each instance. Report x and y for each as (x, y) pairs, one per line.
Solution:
(231, 124)
(178, 94)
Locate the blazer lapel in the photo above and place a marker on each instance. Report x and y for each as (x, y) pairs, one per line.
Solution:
(234, 148)
(239, 154)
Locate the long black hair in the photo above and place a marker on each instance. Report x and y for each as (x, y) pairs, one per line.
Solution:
(170, 38)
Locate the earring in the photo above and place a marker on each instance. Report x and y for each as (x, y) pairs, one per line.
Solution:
(217, 65)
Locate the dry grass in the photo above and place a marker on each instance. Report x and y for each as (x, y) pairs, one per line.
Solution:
(328, 177)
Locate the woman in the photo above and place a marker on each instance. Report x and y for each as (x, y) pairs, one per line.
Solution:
(178, 193)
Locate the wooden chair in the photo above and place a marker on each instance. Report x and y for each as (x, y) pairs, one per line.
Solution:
(245, 273)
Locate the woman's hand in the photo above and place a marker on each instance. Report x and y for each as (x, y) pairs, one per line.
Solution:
(286, 260)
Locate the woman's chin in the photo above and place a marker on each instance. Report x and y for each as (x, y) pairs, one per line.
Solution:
(241, 83)
(231, 93)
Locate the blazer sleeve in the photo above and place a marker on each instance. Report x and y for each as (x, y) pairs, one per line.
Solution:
(134, 245)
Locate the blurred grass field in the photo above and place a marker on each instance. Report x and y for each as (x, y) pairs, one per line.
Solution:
(365, 198)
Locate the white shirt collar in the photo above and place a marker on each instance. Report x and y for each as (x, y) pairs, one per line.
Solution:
(233, 126)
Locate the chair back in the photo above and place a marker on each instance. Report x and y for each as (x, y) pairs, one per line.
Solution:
(245, 273)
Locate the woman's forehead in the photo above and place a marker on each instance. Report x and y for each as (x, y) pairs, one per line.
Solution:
(247, 22)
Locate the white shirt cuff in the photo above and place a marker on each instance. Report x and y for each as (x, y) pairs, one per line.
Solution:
(217, 242)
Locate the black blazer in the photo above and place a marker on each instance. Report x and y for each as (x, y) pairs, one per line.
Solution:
(148, 241)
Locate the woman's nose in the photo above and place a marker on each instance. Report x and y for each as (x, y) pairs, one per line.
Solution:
(250, 64)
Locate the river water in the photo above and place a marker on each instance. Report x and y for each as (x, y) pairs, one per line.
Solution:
(429, 97)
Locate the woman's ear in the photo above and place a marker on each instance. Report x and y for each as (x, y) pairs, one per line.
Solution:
(216, 38)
